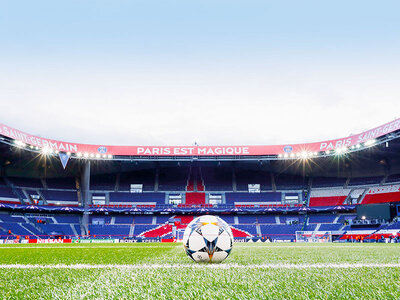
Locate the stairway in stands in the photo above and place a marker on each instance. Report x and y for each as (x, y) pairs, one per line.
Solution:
(239, 233)
(195, 188)
(166, 228)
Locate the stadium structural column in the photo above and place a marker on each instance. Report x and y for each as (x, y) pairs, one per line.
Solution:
(85, 187)
(234, 185)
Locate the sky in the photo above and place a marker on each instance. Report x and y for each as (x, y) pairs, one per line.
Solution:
(213, 72)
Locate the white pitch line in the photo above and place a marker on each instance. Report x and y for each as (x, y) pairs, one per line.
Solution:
(201, 266)
(58, 246)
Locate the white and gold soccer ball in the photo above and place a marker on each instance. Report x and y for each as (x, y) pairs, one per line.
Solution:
(208, 239)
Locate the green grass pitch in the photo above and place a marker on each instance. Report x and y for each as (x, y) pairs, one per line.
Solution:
(163, 271)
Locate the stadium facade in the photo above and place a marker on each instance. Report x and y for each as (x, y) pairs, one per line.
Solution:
(344, 189)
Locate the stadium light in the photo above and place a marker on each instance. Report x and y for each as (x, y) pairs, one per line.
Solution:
(285, 155)
(304, 154)
(79, 154)
(280, 155)
(292, 155)
(19, 143)
(358, 146)
(370, 142)
(327, 152)
(86, 155)
(97, 155)
(109, 156)
(315, 153)
(91, 155)
(104, 156)
(45, 150)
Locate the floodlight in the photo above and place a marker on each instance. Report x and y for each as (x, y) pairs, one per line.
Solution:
(370, 142)
(327, 152)
(280, 155)
(285, 155)
(79, 154)
(19, 143)
(97, 155)
(110, 156)
(91, 155)
(358, 146)
(86, 155)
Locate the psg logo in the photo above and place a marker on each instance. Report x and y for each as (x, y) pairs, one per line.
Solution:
(102, 150)
(288, 149)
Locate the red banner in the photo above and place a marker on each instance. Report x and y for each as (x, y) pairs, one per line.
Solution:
(61, 146)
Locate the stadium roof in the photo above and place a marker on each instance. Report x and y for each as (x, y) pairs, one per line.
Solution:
(380, 134)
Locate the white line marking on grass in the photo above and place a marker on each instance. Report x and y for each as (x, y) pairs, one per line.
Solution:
(200, 266)
(46, 246)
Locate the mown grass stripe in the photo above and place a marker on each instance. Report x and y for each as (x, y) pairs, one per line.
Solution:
(201, 266)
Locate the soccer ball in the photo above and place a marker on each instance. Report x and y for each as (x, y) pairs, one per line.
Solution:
(208, 239)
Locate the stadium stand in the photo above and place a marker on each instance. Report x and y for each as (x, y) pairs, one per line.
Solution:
(253, 198)
(137, 198)
(290, 182)
(382, 194)
(328, 197)
(324, 182)
(145, 177)
(294, 195)
(106, 182)
(61, 183)
(365, 180)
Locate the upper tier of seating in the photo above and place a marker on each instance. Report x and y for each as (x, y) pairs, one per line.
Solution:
(328, 197)
(246, 177)
(173, 179)
(290, 182)
(60, 196)
(365, 180)
(321, 182)
(104, 182)
(393, 178)
(61, 183)
(144, 177)
(26, 182)
(219, 179)
(381, 194)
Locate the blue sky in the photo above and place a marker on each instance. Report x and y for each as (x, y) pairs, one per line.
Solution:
(215, 72)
